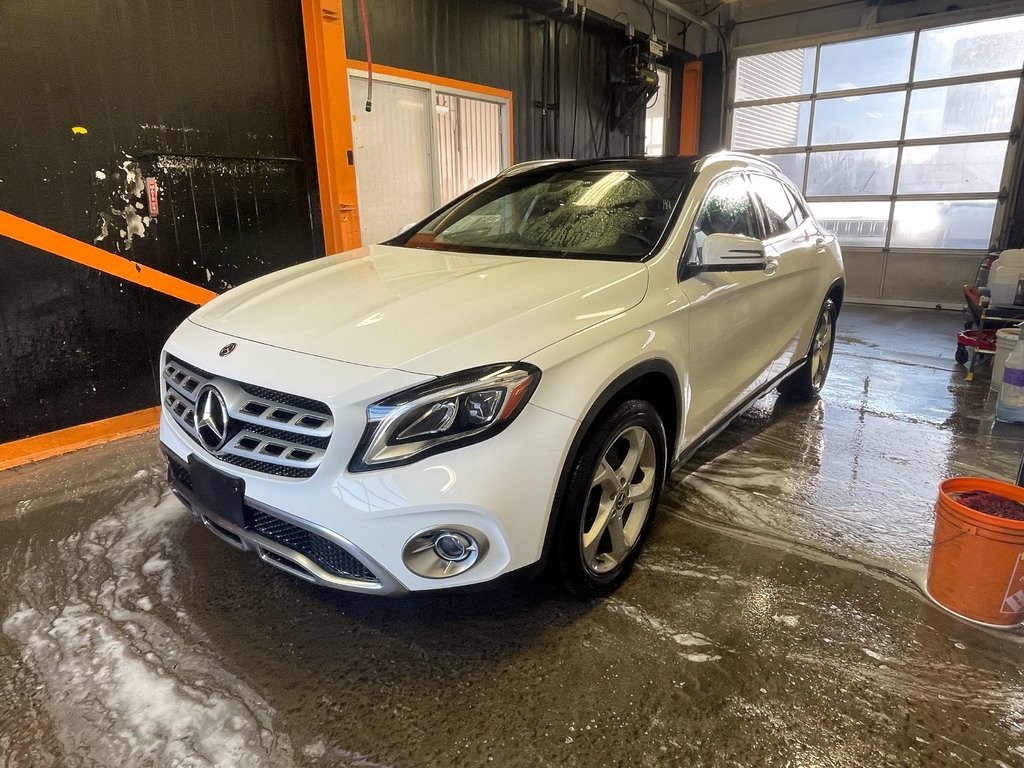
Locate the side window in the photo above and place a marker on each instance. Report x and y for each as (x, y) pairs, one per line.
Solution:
(729, 210)
(799, 211)
(779, 207)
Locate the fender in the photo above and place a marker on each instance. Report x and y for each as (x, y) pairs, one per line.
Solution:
(839, 283)
(610, 392)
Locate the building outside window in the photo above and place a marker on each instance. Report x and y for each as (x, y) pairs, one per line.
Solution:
(900, 141)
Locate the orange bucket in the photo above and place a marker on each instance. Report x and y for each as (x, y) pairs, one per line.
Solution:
(976, 568)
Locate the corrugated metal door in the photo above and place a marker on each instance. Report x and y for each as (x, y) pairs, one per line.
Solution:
(393, 157)
(469, 143)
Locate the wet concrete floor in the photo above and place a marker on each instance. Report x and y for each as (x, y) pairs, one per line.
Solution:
(773, 620)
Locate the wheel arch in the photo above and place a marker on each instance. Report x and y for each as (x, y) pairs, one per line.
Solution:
(654, 380)
(836, 292)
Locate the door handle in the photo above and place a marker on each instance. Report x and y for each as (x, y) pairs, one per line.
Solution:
(771, 265)
(820, 243)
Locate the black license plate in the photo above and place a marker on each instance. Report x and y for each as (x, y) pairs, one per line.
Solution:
(217, 493)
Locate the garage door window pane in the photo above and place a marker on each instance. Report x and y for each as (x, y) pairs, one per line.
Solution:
(773, 75)
(964, 224)
(772, 125)
(968, 49)
(852, 119)
(857, 223)
(865, 63)
(792, 165)
(959, 110)
(953, 168)
(852, 172)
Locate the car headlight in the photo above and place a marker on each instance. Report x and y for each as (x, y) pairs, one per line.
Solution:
(443, 414)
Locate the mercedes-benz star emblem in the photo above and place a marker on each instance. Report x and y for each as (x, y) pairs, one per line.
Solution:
(211, 419)
(227, 349)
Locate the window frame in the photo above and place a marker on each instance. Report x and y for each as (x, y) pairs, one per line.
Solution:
(683, 271)
(1014, 154)
(794, 197)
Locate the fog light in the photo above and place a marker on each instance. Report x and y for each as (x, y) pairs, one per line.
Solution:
(453, 546)
(439, 553)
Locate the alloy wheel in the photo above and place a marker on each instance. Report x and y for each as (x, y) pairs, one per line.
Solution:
(821, 352)
(619, 501)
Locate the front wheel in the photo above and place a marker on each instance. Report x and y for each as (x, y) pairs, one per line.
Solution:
(806, 382)
(610, 499)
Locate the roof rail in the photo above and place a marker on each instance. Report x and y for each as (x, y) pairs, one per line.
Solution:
(746, 157)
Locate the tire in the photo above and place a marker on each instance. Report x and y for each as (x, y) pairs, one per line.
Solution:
(806, 382)
(962, 355)
(590, 559)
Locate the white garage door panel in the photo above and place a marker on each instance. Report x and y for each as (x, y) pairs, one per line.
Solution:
(392, 157)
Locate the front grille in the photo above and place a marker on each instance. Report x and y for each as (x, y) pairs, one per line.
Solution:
(330, 556)
(255, 465)
(269, 431)
(284, 398)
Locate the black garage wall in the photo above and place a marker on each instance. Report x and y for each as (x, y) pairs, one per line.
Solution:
(528, 48)
(210, 98)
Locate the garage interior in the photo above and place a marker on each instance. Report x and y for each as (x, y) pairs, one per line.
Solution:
(156, 154)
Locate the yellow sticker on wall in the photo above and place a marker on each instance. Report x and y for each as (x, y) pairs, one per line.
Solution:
(78, 130)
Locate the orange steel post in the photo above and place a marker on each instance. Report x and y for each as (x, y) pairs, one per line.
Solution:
(324, 31)
(689, 119)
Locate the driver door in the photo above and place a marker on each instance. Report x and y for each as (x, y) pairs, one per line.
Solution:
(730, 312)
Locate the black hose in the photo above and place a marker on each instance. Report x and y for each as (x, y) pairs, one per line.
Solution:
(369, 56)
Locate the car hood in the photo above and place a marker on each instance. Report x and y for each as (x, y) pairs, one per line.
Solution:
(423, 311)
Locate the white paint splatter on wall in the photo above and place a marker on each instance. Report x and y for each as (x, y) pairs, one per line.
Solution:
(124, 215)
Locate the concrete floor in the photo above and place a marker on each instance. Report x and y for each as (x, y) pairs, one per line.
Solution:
(773, 620)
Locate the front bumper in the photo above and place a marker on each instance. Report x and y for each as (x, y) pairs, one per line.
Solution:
(296, 546)
(501, 488)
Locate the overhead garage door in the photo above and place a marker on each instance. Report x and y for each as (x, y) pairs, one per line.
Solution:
(900, 142)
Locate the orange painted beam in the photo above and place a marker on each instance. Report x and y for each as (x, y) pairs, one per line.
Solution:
(73, 438)
(104, 261)
(689, 118)
(324, 32)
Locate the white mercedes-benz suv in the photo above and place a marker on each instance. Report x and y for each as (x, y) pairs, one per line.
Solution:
(505, 385)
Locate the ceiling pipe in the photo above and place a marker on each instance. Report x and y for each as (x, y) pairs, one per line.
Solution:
(682, 13)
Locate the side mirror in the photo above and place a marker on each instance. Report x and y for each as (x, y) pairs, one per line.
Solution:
(731, 253)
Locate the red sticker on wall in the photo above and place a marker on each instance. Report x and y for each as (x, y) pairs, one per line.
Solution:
(152, 194)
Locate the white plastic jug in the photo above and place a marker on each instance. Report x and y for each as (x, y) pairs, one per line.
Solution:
(1011, 394)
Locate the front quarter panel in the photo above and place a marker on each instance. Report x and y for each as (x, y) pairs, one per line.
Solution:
(579, 370)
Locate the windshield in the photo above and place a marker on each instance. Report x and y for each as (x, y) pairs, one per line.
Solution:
(594, 213)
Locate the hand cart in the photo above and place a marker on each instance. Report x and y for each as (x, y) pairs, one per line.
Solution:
(977, 340)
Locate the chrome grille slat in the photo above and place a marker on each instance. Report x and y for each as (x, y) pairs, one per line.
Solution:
(283, 447)
(323, 431)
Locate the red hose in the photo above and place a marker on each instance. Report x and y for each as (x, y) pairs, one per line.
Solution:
(369, 56)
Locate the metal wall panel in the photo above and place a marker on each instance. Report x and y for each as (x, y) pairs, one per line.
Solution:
(210, 98)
